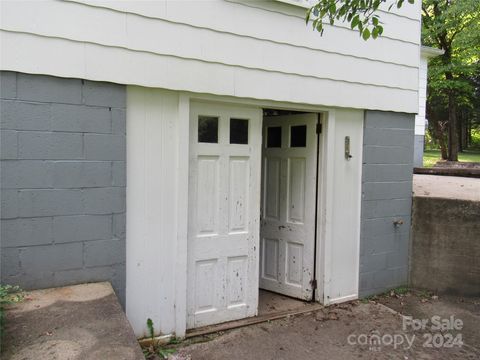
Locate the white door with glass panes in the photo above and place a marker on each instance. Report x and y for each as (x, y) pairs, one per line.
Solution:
(224, 198)
(287, 237)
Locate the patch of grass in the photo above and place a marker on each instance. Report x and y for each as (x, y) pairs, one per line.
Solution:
(155, 350)
(430, 157)
(8, 295)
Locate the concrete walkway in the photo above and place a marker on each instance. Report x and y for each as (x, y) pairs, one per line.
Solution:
(446, 187)
(69, 323)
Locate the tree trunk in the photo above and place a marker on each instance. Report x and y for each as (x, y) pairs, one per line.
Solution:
(452, 129)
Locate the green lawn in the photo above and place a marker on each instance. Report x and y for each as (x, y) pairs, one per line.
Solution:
(430, 157)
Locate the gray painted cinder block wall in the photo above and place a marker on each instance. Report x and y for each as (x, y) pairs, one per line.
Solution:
(62, 180)
(388, 143)
(418, 151)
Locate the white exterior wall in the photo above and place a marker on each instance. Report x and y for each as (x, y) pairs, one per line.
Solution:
(422, 96)
(258, 50)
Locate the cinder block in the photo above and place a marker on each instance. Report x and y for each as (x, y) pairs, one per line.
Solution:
(10, 263)
(372, 209)
(8, 144)
(105, 147)
(104, 94)
(387, 190)
(374, 262)
(388, 155)
(29, 174)
(104, 252)
(387, 172)
(378, 244)
(389, 120)
(389, 137)
(119, 121)
(104, 200)
(49, 89)
(372, 228)
(119, 282)
(30, 279)
(52, 257)
(119, 174)
(26, 232)
(49, 145)
(80, 118)
(398, 258)
(119, 225)
(33, 203)
(20, 115)
(8, 85)
(81, 174)
(9, 204)
(82, 227)
(78, 276)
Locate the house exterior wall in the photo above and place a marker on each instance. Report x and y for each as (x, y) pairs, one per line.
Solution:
(250, 49)
(62, 181)
(386, 197)
(420, 118)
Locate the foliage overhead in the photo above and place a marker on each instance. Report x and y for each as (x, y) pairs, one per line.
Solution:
(360, 14)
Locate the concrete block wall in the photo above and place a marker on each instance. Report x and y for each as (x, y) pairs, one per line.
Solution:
(62, 179)
(388, 144)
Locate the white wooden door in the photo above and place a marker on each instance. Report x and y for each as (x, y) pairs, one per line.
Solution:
(224, 214)
(288, 204)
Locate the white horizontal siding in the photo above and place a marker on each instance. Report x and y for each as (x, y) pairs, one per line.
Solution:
(70, 21)
(33, 54)
(235, 46)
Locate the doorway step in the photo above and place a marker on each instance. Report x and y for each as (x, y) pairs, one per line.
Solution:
(271, 306)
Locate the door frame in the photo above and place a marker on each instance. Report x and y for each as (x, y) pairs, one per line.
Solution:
(324, 190)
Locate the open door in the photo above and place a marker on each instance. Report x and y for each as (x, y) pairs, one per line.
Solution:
(223, 224)
(287, 245)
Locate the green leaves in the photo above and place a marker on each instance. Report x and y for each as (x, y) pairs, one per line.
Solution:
(361, 15)
(366, 34)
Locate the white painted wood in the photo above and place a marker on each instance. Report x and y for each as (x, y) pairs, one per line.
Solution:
(223, 231)
(157, 144)
(258, 50)
(152, 217)
(420, 118)
(287, 237)
(182, 217)
(339, 207)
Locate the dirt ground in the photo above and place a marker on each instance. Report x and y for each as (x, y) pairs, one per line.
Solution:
(348, 331)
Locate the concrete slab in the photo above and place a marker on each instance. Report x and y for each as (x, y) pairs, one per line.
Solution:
(446, 187)
(74, 322)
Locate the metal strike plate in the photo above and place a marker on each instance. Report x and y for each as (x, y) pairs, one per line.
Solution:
(348, 156)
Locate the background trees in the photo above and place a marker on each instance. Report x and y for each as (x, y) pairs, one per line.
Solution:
(453, 105)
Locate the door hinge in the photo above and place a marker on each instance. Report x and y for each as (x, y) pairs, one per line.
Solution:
(319, 128)
(314, 284)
